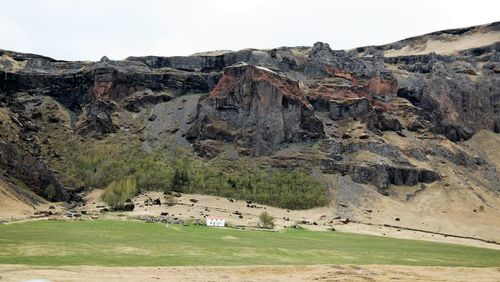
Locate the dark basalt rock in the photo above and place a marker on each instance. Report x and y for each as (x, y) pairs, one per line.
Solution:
(152, 117)
(442, 86)
(128, 206)
(21, 164)
(322, 59)
(74, 84)
(389, 122)
(36, 114)
(256, 109)
(105, 59)
(381, 149)
(282, 58)
(385, 122)
(54, 119)
(381, 175)
(96, 119)
(349, 108)
(388, 164)
(455, 132)
(458, 157)
(138, 102)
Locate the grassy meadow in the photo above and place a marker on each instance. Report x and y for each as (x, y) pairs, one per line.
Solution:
(134, 243)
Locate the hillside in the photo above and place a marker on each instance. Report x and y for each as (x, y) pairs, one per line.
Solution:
(403, 134)
(446, 42)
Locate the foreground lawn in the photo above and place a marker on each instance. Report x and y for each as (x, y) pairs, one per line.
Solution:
(133, 243)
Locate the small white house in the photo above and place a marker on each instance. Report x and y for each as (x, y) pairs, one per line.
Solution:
(216, 221)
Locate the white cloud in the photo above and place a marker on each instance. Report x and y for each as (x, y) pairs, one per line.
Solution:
(89, 29)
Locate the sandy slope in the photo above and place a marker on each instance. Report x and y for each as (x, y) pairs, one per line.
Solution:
(12, 204)
(488, 142)
(250, 273)
(446, 46)
(323, 217)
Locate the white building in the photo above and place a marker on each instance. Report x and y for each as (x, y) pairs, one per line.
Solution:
(216, 221)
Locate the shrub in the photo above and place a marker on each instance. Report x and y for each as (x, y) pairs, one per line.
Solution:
(266, 220)
(170, 200)
(117, 192)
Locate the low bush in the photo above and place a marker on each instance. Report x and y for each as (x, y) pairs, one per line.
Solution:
(117, 192)
(266, 220)
(170, 200)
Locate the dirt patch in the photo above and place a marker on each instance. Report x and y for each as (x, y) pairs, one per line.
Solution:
(251, 273)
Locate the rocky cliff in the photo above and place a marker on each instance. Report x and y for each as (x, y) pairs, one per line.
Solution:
(257, 109)
(385, 116)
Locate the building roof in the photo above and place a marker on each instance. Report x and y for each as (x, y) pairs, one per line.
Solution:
(215, 217)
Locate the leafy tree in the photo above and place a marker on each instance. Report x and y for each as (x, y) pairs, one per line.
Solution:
(50, 192)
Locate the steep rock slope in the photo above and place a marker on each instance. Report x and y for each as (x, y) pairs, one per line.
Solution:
(258, 109)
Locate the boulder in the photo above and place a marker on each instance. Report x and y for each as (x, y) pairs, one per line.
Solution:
(54, 119)
(152, 117)
(128, 206)
(349, 108)
(388, 122)
(455, 132)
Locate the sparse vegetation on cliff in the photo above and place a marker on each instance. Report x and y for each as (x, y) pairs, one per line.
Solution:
(97, 164)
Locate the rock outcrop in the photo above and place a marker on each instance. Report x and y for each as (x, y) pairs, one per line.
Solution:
(381, 176)
(349, 108)
(450, 95)
(258, 110)
(96, 118)
(32, 171)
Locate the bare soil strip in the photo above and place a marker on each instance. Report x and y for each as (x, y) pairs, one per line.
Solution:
(250, 273)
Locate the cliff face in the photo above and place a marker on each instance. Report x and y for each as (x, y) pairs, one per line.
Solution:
(448, 88)
(384, 115)
(257, 109)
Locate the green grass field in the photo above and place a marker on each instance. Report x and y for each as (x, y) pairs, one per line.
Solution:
(133, 243)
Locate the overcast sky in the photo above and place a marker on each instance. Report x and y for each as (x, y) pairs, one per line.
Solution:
(89, 29)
